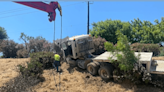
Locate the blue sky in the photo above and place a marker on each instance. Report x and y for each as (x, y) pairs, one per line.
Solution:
(17, 18)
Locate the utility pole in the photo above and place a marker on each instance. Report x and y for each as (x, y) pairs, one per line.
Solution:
(88, 19)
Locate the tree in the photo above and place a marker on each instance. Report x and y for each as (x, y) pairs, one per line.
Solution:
(9, 48)
(25, 38)
(146, 32)
(3, 34)
(32, 44)
(159, 31)
(21, 51)
(108, 28)
(38, 44)
(136, 30)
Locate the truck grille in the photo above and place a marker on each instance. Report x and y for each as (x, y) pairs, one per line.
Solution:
(85, 45)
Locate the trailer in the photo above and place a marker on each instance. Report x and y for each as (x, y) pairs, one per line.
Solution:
(101, 64)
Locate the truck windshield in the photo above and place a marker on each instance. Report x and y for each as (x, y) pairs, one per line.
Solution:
(64, 47)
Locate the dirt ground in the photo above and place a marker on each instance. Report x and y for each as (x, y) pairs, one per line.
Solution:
(76, 81)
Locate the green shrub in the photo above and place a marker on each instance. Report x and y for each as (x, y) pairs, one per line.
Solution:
(46, 58)
(161, 51)
(127, 58)
(33, 69)
(140, 47)
(126, 65)
(38, 62)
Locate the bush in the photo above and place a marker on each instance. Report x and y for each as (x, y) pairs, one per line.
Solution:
(161, 51)
(11, 49)
(8, 47)
(127, 58)
(38, 45)
(45, 58)
(140, 47)
(38, 62)
(20, 84)
(99, 45)
(126, 65)
(33, 69)
(22, 53)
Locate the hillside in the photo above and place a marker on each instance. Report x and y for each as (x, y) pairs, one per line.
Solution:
(76, 80)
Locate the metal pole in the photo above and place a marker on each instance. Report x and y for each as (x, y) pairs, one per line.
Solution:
(88, 19)
(61, 32)
(54, 31)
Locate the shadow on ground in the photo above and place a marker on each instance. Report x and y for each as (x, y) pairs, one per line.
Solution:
(20, 84)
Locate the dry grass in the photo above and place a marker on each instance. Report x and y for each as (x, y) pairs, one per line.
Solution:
(8, 69)
(77, 81)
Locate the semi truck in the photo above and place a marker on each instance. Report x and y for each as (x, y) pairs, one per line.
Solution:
(77, 51)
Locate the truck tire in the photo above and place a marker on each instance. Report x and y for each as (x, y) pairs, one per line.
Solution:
(97, 63)
(92, 68)
(106, 73)
(71, 62)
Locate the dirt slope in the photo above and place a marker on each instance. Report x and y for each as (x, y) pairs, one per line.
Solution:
(8, 69)
(76, 81)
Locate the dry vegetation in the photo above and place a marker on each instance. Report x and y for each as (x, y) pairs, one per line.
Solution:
(8, 69)
(72, 80)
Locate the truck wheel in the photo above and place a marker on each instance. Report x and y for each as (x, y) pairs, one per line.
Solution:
(71, 62)
(97, 63)
(105, 72)
(92, 68)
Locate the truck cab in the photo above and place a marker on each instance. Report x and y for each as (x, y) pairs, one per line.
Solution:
(78, 46)
(76, 49)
